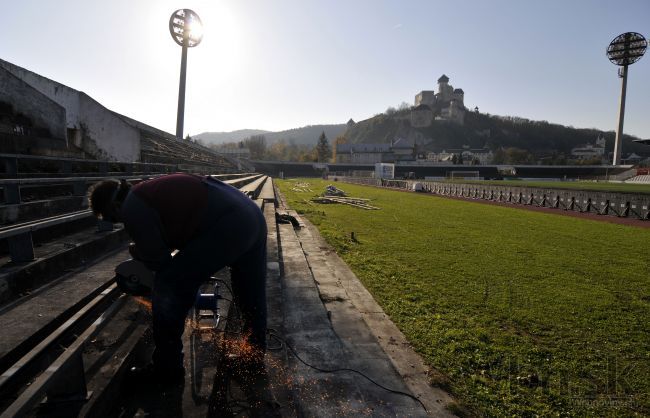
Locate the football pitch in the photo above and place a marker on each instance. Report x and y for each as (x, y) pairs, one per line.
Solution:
(522, 313)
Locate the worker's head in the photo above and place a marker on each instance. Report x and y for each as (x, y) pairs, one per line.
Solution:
(106, 198)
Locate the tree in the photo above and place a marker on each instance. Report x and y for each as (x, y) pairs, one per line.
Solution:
(257, 146)
(403, 106)
(323, 148)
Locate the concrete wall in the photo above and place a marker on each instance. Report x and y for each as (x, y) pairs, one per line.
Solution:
(103, 133)
(63, 95)
(44, 112)
(106, 135)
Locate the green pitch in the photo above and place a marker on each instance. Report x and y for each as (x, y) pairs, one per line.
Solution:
(523, 313)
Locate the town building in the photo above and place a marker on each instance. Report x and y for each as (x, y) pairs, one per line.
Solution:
(398, 150)
(468, 156)
(590, 151)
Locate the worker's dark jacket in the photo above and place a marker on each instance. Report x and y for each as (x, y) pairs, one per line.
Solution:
(164, 214)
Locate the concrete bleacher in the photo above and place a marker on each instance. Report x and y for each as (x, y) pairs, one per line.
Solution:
(172, 151)
(640, 179)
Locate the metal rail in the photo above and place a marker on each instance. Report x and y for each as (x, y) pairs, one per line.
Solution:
(66, 370)
(18, 371)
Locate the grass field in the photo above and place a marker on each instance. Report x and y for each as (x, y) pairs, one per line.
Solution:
(574, 185)
(523, 313)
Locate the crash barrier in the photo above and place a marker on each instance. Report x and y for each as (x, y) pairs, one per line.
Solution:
(584, 201)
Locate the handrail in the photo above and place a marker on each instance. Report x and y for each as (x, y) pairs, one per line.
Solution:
(11, 230)
(50, 180)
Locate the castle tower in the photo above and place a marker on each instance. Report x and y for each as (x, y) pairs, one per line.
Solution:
(444, 89)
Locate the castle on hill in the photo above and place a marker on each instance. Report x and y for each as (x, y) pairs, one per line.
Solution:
(445, 104)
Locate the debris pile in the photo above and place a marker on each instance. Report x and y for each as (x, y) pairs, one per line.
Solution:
(302, 187)
(334, 191)
(335, 195)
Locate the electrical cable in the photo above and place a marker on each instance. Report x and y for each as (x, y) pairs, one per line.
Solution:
(282, 341)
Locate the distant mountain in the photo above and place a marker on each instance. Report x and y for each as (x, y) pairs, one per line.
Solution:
(220, 137)
(307, 135)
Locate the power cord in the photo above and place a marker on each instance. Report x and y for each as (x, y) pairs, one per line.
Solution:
(272, 333)
(283, 343)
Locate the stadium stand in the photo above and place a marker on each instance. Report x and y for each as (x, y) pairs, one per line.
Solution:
(643, 179)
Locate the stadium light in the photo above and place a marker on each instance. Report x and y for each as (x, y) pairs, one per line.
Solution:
(187, 31)
(624, 50)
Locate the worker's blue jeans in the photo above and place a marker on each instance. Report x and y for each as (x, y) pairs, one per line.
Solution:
(236, 238)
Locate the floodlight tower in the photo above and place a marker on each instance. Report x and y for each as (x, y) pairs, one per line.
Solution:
(187, 31)
(624, 50)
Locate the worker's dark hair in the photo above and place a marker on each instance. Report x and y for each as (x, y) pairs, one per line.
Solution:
(102, 195)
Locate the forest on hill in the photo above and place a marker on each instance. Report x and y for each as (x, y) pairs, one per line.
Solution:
(531, 140)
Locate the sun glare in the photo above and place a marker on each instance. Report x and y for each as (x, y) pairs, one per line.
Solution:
(196, 29)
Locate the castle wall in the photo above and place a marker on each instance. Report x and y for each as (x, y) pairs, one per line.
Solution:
(426, 97)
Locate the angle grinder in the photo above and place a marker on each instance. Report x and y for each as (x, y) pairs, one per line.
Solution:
(134, 278)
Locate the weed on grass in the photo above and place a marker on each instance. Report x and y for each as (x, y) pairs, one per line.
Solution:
(524, 313)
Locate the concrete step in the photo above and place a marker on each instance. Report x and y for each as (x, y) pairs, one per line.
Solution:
(332, 336)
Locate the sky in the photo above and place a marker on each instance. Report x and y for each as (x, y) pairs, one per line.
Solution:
(283, 64)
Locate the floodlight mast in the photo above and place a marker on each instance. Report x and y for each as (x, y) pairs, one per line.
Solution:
(624, 50)
(180, 25)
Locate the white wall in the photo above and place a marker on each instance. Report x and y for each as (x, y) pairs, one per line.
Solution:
(113, 137)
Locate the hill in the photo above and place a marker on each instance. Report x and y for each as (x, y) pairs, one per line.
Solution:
(540, 138)
(306, 135)
(210, 138)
